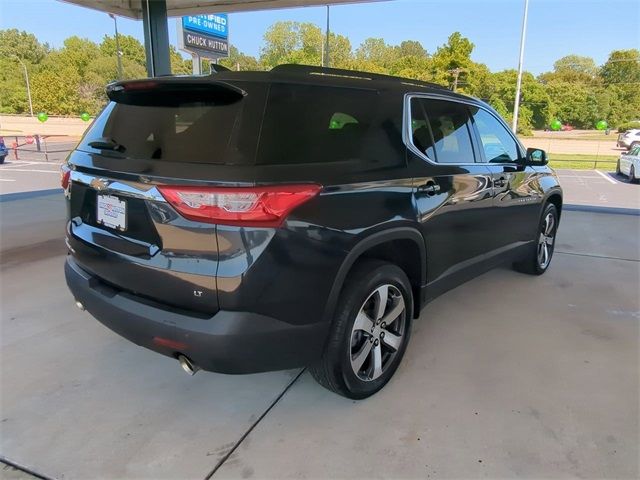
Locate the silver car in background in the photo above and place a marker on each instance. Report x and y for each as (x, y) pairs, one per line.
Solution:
(629, 164)
(629, 139)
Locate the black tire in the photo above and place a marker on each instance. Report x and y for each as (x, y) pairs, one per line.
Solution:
(2, 159)
(532, 264)
(618, 171)
(334, 370)
(632, 175)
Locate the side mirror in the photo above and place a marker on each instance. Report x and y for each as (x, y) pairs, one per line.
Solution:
(536, 156)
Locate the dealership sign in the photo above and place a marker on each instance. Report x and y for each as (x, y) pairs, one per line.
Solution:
(205, 35)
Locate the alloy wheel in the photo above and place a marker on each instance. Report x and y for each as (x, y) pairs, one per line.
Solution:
(378, 332)
(546, 240)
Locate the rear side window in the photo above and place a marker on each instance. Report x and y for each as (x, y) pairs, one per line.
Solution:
(311, 124)
(497, 143)
(441, 130)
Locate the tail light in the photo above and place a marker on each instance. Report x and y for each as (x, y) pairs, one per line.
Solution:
(65, 175)
(254, 206)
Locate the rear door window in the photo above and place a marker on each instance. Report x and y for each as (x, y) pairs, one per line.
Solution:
(445, 135)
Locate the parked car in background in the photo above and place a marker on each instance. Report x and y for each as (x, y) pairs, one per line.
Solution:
(4, 151)
(629, 164)
(251, 221)
(629, 139)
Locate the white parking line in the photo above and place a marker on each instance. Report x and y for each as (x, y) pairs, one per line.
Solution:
(34, 171)
(606, 177)
(17, 164)
(592, 177)
(32, 162)
(7, 180)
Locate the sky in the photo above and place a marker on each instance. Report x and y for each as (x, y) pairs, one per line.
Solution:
(555, 28)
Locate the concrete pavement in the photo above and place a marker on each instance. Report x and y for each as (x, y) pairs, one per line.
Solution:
(508, 375)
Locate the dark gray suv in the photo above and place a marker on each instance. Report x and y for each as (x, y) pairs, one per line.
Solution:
(252, 221)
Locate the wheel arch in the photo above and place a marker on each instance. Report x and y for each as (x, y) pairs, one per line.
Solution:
(554, 197)
(401, 246)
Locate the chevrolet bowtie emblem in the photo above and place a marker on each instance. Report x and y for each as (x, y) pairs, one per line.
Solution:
(100, 183)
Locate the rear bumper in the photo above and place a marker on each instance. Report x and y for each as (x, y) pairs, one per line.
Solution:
(228, 342)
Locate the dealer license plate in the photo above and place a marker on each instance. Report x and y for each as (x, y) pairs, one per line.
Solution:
(112, 212)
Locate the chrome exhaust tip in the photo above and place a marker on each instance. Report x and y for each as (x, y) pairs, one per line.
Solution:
(80, 305)
(187, 365)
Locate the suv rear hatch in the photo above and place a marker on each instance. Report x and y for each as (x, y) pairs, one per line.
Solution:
(178, 131)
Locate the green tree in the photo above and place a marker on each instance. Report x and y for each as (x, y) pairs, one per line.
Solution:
(24, 45)
(410, 48)
(535, 104)
(574, 69)
(55, 87)
(340, 53)
(285, 42)
(454, 56)
(130, 47)
(376, 51)
(239, 61)
(622, 68)
(621, 76)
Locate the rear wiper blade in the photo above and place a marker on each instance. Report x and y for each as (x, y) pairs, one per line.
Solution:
(107, 144)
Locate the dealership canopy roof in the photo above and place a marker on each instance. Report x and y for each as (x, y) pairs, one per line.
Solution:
(177, 8)
(154, 15)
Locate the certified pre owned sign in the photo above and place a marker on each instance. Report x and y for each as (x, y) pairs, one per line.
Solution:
(205, 43)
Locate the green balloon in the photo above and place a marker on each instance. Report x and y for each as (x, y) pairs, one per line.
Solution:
(85, 116)
(556, 125)
(602, 125)
(43, 117)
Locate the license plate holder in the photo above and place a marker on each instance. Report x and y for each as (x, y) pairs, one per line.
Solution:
(111, 212)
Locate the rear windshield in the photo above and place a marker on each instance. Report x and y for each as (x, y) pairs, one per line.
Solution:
(300, 124)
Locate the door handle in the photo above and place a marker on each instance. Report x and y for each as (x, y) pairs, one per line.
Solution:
(430, 188)
(501, 182)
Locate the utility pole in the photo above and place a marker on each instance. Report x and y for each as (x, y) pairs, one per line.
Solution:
(326, 48)
(26, 80)
(118, 52)
(456, 73)
(516, 105)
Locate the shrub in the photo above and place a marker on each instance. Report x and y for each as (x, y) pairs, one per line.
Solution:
(623, 127)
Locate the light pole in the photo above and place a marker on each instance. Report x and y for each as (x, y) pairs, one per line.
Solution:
(516, 105)
(26, 79)
(118, 52)
(326, 48)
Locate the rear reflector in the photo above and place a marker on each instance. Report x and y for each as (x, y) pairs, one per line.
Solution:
(65, 175)
(165, 342)
(254, 206)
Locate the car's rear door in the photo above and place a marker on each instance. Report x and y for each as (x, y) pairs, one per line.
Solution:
(452, 191)
(517, 194)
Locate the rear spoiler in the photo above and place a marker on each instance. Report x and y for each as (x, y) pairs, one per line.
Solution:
(172, 91)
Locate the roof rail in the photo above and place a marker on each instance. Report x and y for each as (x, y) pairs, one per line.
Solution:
(317, 70)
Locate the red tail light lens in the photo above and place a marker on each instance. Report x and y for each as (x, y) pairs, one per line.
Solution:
(255, 206)
(65, 175)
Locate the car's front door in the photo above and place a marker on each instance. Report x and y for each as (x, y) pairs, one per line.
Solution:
(452, 191)
(517, 194)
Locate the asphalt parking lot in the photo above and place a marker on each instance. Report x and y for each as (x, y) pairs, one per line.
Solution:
(599, 188)
(506, 376)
